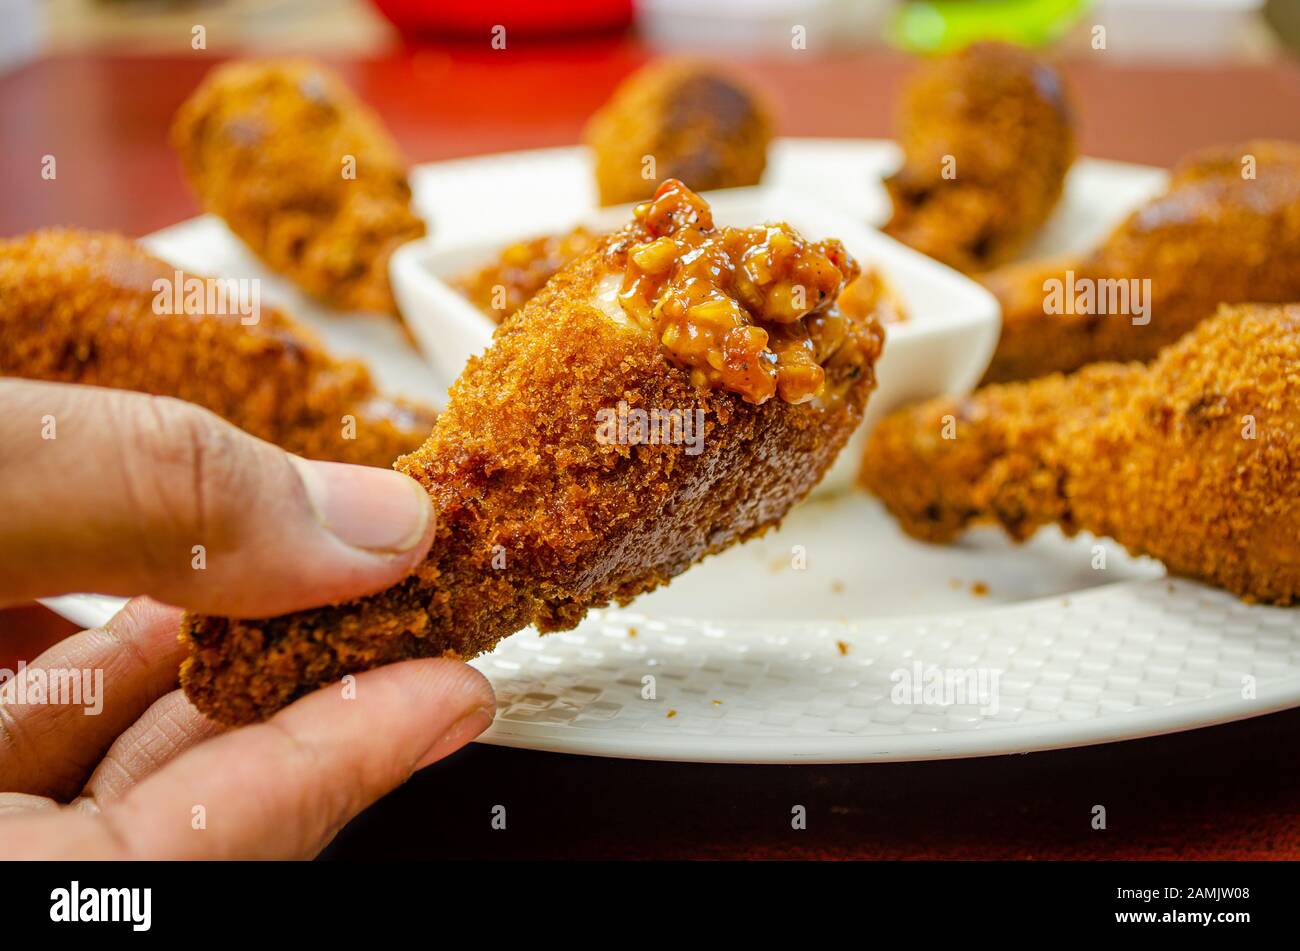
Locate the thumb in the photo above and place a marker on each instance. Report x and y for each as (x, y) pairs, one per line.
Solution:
(123, 493)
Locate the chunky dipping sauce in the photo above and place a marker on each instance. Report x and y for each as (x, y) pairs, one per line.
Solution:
(871, 295)
(750, 310)
(505, 285)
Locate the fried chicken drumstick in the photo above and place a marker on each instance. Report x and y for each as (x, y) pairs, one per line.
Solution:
(551, 499)
(82, 307)
(987, 138)
(1215, 236)
(1193, 459)
(303, 173)
(697, 122)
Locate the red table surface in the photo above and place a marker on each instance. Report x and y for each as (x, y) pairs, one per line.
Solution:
(1225, 792)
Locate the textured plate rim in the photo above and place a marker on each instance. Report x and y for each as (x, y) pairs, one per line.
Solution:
(1012, 739)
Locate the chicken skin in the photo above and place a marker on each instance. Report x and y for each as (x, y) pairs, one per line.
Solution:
(1193, 459)
(683, 119)
(303, 173)
(987, 136)
(556, 490)
(83, 307)
(1227, 230)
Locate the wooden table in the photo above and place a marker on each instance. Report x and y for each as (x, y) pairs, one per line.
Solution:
(1224, 792)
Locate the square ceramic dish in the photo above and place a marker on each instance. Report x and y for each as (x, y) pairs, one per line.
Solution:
(943, 345)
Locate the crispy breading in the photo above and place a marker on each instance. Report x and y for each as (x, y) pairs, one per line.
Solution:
(1193, 459)
(540, 518)
(700, 123)
(1214, 236)
(79, 307)
(303, 173)
(987, 136)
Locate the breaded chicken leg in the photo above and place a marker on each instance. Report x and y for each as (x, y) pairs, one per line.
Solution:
(692, 119)
(556, 489)
(1193, 459)
(1213, 237)
(987, 138)
(83, 307)
(303, 173)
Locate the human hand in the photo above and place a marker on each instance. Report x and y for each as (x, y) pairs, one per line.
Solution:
(123, 493)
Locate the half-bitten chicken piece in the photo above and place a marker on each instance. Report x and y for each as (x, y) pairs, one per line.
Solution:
(1193, 459)
(1227, 230)
(303, 173)
(683, 119)
(97, 309)
(663, 398)
(987, 137)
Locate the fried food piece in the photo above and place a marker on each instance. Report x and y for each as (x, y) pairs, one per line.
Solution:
(502, 286)
(558, 479)
(303, 173)
(1193, 459)
(987, 137)
(84, 307)
(946, 463)
(698, 122)
(1213, 237)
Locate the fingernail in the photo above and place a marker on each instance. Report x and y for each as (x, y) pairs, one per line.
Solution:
(460, 733)
(379, 510)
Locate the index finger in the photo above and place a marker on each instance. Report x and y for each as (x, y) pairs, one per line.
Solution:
(283, 788)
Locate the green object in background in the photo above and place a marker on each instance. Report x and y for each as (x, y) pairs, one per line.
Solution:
(937, 26)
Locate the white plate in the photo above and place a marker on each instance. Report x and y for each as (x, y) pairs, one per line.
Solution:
(745, 649)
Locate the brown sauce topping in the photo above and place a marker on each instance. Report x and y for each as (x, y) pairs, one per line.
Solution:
(750, 310)
(509, 282)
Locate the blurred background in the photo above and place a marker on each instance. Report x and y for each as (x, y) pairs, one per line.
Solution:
(97, 81)
(1183, 30)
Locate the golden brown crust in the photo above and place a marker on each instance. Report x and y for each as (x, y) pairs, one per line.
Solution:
(264, 145)
(1193, 460)
(699, 122)
(1200, 465)
(78, 307)
(1213, 237)
(947, 463)
(997, 120)
(540, 520)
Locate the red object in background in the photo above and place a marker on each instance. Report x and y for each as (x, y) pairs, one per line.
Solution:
(473, 18)
(27, 631)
